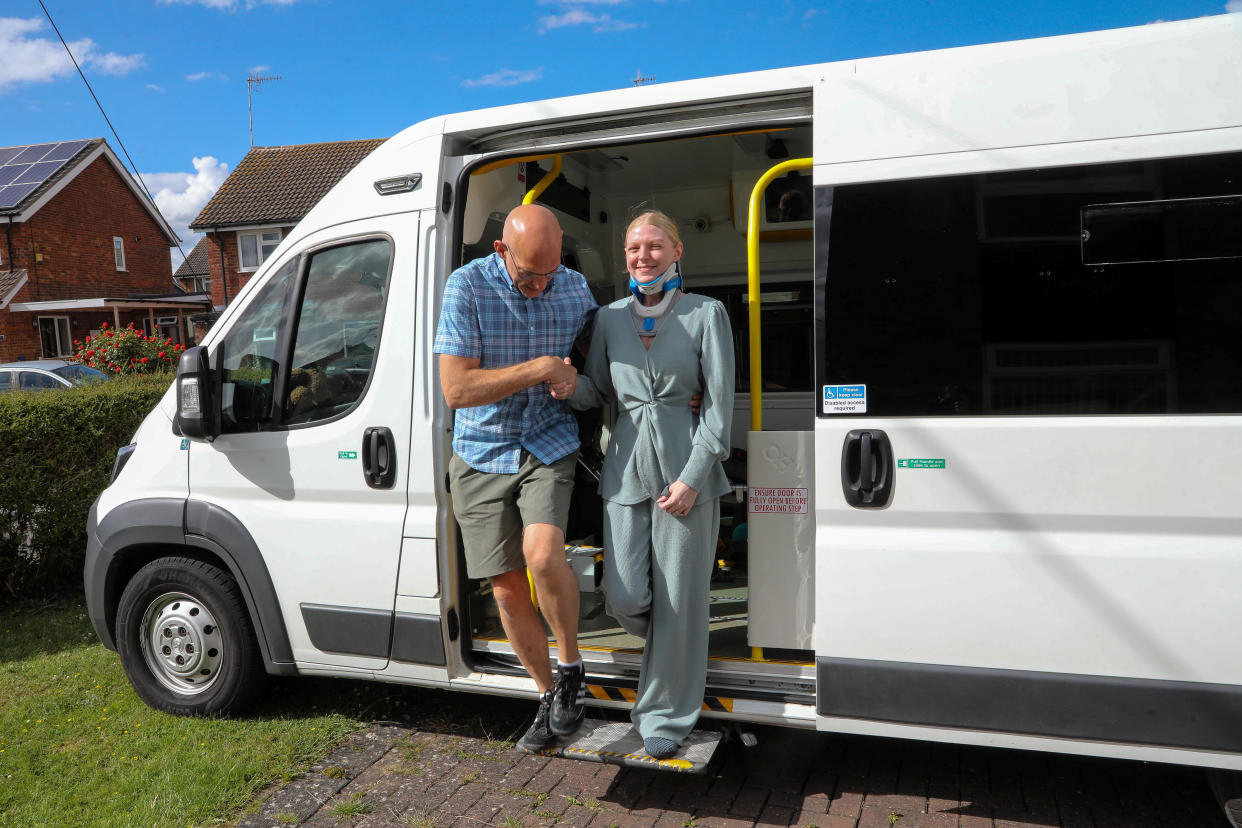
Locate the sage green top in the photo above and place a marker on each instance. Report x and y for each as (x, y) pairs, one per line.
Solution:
(657, 438)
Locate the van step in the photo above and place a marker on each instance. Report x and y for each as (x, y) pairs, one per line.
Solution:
(618, 743)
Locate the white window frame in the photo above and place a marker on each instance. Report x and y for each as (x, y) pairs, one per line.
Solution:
(64, 337)
(118, 252)
(260, 243)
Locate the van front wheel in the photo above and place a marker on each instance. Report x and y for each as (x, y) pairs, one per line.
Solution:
(186, 641)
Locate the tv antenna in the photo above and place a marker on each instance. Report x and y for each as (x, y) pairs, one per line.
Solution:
(251, 82)
(639, 80)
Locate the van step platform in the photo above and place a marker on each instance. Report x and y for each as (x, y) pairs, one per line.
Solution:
(618, 743)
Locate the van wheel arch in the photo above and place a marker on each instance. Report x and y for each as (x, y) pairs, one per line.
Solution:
(134, 534)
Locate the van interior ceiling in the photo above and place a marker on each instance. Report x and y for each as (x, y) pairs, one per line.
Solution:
(704, 183)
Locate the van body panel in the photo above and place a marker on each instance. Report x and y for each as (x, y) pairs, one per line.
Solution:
(1073, 88)
(1077, 537)
(327, 537)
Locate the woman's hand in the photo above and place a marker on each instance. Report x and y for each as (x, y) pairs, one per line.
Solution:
(679, 500)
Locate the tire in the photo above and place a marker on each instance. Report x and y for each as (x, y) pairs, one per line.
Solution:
(186, 641)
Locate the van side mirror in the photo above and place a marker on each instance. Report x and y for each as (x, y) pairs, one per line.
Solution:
(198, 410)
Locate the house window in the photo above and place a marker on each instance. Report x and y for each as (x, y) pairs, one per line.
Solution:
(118, 251)
(54, 336)
(254, 248)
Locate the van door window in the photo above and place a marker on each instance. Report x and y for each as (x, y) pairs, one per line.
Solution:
(1109, 289)
(250, 355)
(338, 330)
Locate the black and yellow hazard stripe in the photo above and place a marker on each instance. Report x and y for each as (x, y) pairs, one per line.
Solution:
(715, 704)
(609, 693)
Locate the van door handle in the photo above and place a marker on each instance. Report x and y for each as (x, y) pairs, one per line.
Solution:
(867, 469)
(379, 457)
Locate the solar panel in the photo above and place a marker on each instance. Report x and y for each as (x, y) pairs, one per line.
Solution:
(38, 173)
(12, 194)
(24, 169)
(65, 150)
(32, 154)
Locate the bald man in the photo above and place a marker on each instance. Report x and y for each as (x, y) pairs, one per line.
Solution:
(506, 329)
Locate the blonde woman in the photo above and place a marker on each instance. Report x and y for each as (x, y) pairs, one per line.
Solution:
(662, 481)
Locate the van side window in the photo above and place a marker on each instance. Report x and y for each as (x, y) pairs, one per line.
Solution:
(338, 330)
(1109, 289)
(250, 355)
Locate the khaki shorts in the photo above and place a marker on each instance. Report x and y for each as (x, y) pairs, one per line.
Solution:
(493, 509)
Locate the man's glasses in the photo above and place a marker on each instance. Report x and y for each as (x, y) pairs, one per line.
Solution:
(527, 276)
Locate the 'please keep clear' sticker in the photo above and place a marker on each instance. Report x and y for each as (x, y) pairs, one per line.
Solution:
(845, 399)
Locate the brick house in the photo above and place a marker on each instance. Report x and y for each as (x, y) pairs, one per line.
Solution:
(260, 202)
(81, 245)
(193, 275)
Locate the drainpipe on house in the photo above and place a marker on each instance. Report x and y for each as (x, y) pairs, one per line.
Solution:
(224, 276)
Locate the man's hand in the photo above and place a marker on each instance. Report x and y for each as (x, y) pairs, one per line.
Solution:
(696, 403)
(564, 389)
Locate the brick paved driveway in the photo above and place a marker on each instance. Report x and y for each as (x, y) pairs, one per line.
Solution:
(428, 777)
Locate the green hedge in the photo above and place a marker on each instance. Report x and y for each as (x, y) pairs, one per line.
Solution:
(56, 455)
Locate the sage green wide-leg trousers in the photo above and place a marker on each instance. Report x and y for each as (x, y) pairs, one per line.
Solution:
(657, 577)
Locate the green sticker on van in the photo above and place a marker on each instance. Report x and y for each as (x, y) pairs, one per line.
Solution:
(921, 463)
(347, 455)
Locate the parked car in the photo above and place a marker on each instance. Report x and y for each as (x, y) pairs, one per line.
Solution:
(45, 374)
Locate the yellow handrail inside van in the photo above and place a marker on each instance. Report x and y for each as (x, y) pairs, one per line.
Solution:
(538, 189)
(752, 271)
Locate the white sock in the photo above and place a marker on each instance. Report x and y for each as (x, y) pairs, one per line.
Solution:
(560, 663)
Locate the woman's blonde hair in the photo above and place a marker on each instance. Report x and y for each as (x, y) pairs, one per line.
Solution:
(658, 220)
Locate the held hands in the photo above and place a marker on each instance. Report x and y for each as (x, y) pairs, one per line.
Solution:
(562, 379)
(679, 500)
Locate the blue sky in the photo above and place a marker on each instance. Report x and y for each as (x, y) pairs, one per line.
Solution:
(171, 74)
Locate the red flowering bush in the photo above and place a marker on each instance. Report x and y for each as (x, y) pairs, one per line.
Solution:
(127, 351)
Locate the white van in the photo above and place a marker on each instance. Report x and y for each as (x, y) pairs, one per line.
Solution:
(992, 491)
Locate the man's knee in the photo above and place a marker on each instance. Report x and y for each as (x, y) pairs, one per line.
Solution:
(544, 548)
(510, 588)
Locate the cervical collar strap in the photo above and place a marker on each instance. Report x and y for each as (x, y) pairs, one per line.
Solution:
(670, 278)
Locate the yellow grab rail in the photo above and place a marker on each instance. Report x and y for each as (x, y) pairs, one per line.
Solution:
(752, 274)
(538, 189)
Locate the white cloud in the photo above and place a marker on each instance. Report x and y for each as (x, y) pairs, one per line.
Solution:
(205, 75)
(255, 70)
(580, 17)
(181, 197)
(1234, 6)
(155, 87)
(505, 77)
(27, 59)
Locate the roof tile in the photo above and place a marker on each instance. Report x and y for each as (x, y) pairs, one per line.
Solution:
(195, 263)
(280, 184)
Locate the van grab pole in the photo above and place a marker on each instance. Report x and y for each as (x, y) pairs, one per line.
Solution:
(752, 271)
(538, 189)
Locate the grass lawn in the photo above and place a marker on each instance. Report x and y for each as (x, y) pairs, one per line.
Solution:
(77, 746)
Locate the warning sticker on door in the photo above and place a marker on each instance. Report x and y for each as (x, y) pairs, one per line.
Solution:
(845, 399)
(777, 501)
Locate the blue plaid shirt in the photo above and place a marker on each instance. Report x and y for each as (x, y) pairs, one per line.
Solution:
(485, 317)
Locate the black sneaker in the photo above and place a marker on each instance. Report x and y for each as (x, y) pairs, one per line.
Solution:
(538, 736)
(568, 700)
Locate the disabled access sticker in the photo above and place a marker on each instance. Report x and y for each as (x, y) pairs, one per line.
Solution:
(845, 399)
